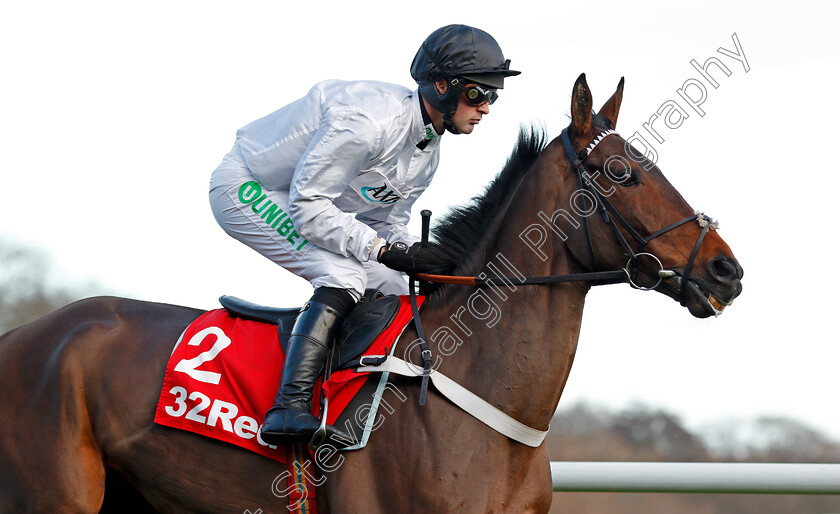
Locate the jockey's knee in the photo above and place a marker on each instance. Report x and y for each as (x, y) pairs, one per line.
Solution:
(342, 300)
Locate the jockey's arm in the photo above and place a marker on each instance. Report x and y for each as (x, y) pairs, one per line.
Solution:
(395, 227)
(344, 144)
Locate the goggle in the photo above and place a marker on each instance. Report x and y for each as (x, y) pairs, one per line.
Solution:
(476, 95)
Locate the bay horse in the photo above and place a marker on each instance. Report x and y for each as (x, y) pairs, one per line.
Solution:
(80, 385)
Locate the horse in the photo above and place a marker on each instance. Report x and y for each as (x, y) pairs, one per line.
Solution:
(80, 385)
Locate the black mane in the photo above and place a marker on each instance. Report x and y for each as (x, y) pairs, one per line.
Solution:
(465, 232)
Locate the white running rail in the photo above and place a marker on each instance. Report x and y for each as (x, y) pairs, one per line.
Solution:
(696, 477)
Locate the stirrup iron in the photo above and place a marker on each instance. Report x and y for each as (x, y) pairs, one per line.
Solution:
(320, 435)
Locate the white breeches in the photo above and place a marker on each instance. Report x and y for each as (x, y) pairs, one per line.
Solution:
(258, 217)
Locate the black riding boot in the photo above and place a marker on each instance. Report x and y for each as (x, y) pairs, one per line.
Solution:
(317, 326)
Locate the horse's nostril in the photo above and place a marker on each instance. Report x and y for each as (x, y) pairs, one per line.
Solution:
(724, 268)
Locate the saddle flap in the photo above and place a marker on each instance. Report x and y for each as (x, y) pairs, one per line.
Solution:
(366, 321)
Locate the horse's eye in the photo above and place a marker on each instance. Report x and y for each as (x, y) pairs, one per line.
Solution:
(629, 180)
(621, 172)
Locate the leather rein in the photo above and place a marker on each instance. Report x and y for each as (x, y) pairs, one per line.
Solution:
(612, 218)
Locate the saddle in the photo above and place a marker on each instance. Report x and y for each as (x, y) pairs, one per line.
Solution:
(225, 368)
(371, 315)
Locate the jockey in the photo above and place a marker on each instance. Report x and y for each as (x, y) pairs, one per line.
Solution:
(324, 188)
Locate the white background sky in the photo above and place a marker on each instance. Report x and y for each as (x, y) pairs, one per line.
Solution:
(114, 114)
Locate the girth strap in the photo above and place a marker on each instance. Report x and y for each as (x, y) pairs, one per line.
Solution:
(466, 400)
(425, 352)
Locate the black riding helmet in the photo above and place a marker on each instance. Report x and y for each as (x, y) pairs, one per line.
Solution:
(458, 52)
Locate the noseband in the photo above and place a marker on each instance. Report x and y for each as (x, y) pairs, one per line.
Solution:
(609, 213)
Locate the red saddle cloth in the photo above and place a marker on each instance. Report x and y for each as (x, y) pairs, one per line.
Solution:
(224, 372)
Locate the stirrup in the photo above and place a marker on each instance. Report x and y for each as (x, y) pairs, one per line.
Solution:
(330, 433)
(320, 435)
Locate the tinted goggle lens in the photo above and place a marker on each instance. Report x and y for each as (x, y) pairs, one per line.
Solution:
(476, 95)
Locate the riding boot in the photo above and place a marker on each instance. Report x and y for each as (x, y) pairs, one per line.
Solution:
(317, 326)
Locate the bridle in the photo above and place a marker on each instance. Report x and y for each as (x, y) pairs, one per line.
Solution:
(610, 215)
(613, 219)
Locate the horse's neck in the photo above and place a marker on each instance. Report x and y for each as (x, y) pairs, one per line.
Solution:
(518, 354)
(518, 345)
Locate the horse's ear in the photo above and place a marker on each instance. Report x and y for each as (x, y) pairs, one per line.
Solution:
(610, 109)
(581, 106)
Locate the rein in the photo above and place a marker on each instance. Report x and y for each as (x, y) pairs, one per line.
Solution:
(609, 213)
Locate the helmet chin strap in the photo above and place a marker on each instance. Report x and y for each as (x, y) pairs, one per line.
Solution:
(446, 103)
(450, 102)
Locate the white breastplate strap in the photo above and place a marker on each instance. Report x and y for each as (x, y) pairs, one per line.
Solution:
(466, 400)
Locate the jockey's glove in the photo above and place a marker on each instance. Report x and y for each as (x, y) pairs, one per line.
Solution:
(417, 258)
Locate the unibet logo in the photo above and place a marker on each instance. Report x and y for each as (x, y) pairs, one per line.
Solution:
(379, 194)
(251, 193)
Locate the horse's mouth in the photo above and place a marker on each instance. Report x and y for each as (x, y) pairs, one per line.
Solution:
(701, 302)
(716, 304)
